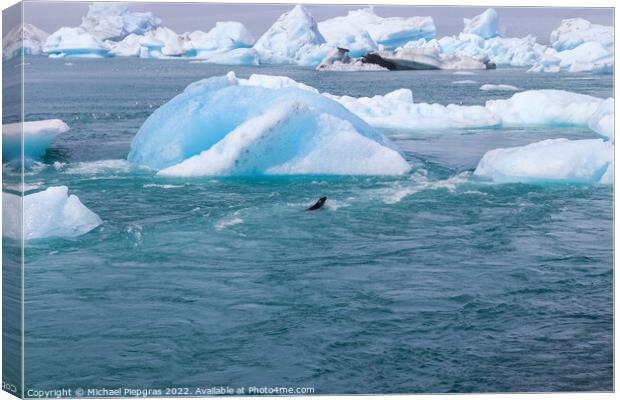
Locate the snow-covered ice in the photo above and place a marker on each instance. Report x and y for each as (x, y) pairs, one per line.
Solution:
(545, 107)
(396, 110)
(25, 38)
(114, 21)
(552, 160)
(389, 32)
(575, 31)
(293, 36)
(37, 136)
(278, 126)
(484, 25)
(74, 42)
(224, 36)
(49, 213)
(487, 87)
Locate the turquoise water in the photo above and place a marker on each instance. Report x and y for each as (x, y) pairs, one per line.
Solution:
(432, 282)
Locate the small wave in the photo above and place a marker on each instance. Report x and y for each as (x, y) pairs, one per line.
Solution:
(226, 222)
(419, 181)
(156, 185)
(96, 167)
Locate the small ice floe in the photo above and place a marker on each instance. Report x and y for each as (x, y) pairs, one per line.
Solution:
(49, 213)
(552, 160)
(501, 87)
(37, 136)
(464, 82)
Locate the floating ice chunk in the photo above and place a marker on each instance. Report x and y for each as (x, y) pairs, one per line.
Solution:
(291, 138)
(389, 33)
(489, 87)
(573, 32)
(128, 47)
(602, 121)
(484, 25)
(396, 110)
(50, 213)
(26, 39)
(37, 136)
(357, 44)
(74, 42)
(241, 56)
(292, 36)
(545, 107)
(464, 82)
(114, 21)
(220, 115)
(553, 160)
(224, 36)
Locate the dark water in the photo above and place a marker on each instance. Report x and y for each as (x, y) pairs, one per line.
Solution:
(432, 282)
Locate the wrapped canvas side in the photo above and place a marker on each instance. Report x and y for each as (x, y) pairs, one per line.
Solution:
(12, 222)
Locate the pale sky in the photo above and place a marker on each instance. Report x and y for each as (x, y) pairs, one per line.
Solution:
(185, 17)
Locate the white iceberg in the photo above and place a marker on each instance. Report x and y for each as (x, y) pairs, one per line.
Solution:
(240, 56)
(24, 39)
(553, 160)
(389, 33)
(602, 121)
(487, 87)
(293, 36)
(50, 213)
(223, 37)
(396, 110)
(37, 136)
(262, 125)
(114, 21)
(128, 47)
(545, 107)
(484, 25)
(74, 42)
(573, 32)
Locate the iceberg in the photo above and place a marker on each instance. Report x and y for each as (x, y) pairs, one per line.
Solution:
(396, 110)
(490, 87)
(602, 121)
(575, 31)
(26, 39)
(74, 42)
(241, 56)
(114, 21)
(424, 58)
(389, 33)
(37, 136)
(484, 25)
(293, 36)
(224, 36)
(545, 107)
(278, 127)
(128, 47)
(553, 160)
(50, 213)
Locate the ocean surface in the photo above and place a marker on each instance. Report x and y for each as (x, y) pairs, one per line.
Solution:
(431, 282)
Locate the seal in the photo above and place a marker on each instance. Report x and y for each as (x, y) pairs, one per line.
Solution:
(318, 204)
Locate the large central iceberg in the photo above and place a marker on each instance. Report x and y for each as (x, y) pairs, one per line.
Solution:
(262, 125)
